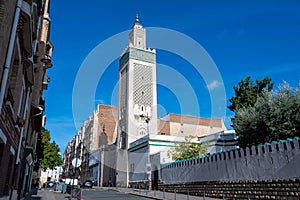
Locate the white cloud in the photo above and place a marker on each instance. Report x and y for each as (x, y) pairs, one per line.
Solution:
(213, 85)
(100, 101)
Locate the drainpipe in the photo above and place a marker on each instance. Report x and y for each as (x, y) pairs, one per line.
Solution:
(101, 163)
(10, 52)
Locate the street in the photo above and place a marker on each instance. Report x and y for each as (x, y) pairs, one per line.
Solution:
(89, 194)
(111, 194)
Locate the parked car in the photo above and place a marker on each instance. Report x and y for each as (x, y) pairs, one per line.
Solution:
(49, 184)
(87, 184)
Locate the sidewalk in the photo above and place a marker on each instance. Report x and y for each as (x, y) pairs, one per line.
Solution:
(42, 194)
(159, 195)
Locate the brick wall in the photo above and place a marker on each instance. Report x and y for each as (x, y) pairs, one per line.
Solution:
(163, 127)
(107, 119)
(8, 11)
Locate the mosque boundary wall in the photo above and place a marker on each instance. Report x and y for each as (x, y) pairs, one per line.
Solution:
(269, 171)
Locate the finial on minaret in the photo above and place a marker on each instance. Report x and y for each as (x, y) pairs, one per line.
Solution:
(136, 18)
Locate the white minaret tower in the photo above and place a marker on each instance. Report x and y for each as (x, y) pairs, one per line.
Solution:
(137, 97)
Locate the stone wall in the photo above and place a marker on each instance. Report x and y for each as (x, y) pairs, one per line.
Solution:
(243, 189)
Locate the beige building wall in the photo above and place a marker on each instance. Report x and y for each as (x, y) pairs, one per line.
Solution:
(183, 125)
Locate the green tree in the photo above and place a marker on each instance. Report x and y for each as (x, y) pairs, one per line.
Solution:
(246, 92)
(274, 116)
(188, 149)
(47, 152)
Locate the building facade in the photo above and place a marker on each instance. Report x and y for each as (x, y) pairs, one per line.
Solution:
(97, 132)
(25, 55)
(51, 175)
(159, 147)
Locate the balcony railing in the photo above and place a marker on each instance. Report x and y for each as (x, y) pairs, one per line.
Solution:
(47, 60)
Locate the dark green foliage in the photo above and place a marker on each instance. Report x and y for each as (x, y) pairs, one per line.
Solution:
(47, 152)
(274, 116)
(246, 92)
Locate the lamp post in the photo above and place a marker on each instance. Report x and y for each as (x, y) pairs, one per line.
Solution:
(147, 120)
(21, 179)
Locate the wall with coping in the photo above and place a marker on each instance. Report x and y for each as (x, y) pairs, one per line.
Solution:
(274, 160)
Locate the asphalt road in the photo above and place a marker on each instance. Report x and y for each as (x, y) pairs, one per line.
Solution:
(89, 194)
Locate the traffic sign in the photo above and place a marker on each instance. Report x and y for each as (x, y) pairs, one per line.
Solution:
(148, 168)
(76, 162)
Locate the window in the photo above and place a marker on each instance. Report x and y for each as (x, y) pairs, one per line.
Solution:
(163, 133)
(1, 151)
(22, 96)
(123, 140)
(142, 133)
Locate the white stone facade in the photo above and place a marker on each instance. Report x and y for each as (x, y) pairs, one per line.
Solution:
(51, 175)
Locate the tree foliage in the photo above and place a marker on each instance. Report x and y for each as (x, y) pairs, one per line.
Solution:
(188, 149)
(47, 152)
(274, 116)
(246, 92)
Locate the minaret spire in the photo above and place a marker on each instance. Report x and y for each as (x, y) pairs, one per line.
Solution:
(136, 18)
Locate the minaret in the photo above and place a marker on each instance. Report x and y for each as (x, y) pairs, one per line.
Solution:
(137, 96)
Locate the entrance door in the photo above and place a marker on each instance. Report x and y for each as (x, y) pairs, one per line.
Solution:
(155, 180)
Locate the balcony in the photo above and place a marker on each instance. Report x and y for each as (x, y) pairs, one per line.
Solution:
(46, 59)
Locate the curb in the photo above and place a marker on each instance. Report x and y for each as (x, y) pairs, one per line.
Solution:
(135, 194)
(148, 197)
(115, 190)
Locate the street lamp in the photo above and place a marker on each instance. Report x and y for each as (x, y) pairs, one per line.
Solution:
(147, 120)
(21, 180)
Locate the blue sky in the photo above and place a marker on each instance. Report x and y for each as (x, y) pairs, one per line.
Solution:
(256, 38)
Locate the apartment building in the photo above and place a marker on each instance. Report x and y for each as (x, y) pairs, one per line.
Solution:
(99, 129)
(25, 56)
